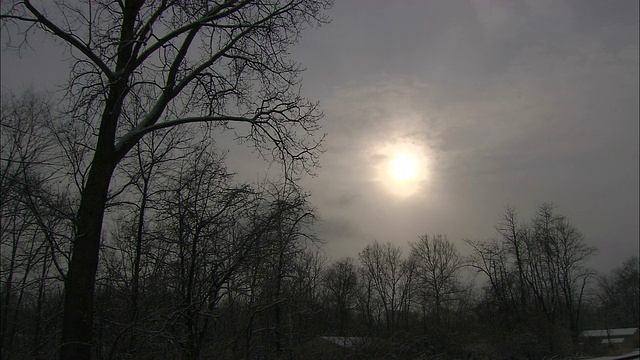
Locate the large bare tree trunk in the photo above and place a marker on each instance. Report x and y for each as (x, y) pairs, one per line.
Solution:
(77, 322)
(77, 325)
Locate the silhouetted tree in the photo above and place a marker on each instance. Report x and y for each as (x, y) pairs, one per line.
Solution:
(437, 277)
(537, 275)
(619, 295)
(139, 67)
(341, 289)
(35, 225)
(386, 279)
(514, 236)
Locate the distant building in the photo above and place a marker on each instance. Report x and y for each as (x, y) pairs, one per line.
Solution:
(610, 340)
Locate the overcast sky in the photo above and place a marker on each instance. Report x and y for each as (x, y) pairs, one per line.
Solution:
(506, 102)
(498, 102)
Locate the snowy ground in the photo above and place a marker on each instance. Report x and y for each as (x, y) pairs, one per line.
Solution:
(636, 352)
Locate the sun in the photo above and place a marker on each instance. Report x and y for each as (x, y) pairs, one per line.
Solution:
(404, 167)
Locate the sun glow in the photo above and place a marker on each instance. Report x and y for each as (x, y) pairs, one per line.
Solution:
(403, 170)
(404, 167)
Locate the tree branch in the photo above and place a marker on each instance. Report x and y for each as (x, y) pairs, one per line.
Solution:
(71, 39)
(210, 16)
(123, 145)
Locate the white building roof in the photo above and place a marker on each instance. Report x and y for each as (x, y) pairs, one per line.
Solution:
(609, 332)
(613, 341)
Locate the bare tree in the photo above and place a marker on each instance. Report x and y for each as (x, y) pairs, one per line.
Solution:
(386, 275)
(557, 270)
(491, 259)
(341, 284)
(619, 294)
(437, 271)
(306, 289)
(35, 225)
(220, 62)
(543, 265)
(127, 256)
(268, 288)
(514, 235)
(199, 214)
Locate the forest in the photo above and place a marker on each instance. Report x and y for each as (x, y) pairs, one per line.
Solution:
(124, 235)
(195, 265)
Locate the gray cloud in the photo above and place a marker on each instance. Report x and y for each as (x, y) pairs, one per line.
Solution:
(516, 103)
